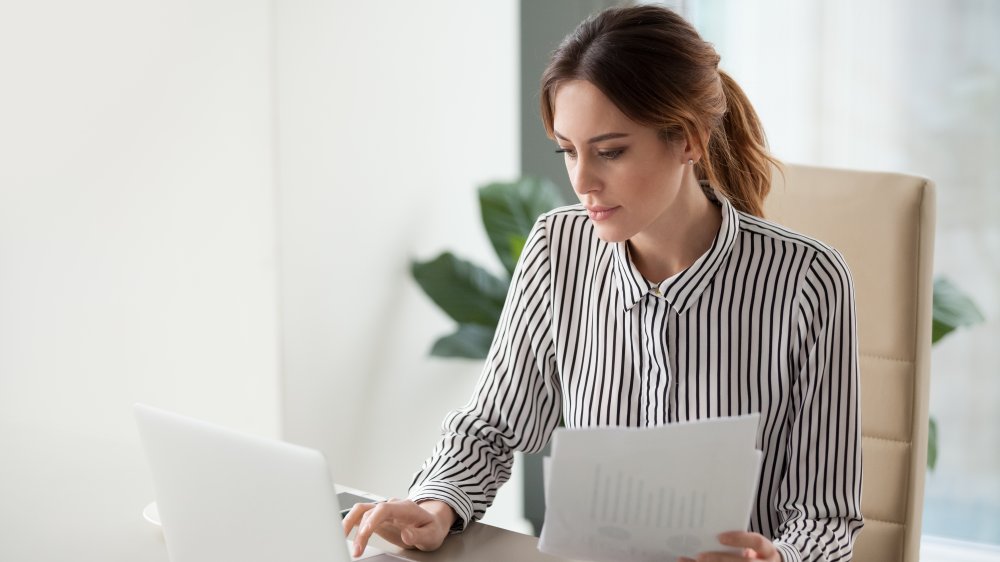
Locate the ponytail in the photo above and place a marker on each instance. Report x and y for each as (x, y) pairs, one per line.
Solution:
(738, 162)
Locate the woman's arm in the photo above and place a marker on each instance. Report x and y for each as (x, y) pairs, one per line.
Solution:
(515, 406)
(516, 403)
(820, 495)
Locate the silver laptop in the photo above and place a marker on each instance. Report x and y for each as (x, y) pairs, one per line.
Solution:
(223, 495)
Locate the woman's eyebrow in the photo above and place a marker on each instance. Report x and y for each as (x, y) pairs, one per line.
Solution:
(598, 138)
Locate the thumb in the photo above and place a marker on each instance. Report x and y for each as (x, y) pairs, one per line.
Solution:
(423, 538)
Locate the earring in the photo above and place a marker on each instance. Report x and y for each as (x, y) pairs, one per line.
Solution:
(690, 161)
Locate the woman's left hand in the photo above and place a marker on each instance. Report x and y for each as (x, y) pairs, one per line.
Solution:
(754, 547)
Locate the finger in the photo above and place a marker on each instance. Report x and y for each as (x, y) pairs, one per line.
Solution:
(742, 539)
(723, 557)
(370, 520)
(354, 516)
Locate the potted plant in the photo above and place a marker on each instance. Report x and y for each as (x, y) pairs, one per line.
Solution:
(952, 309)
(469, 293)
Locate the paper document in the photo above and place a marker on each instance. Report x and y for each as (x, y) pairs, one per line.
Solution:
(652, 493)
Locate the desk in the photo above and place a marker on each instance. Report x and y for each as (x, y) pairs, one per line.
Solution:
(479, 543)
(66, 495)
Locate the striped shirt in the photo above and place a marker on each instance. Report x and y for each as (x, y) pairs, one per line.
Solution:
(764, 322)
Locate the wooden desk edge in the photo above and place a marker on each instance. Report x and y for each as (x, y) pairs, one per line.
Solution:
(479, 543)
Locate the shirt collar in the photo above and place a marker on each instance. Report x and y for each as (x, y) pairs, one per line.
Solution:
(683, 289)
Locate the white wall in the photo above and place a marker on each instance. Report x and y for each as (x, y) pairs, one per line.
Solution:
(159, 161)
(136, 213)
(390, 114)
(137, 254)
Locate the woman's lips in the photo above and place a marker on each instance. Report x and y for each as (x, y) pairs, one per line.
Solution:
(598, 214)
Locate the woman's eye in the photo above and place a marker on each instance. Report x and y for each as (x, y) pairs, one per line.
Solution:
(605, 154)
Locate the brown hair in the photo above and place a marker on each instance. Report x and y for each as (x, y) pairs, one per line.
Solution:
(655, 67)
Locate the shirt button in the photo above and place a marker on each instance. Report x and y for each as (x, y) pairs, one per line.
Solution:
(657, 292)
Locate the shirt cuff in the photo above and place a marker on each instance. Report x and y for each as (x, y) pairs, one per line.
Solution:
(788, 552)
(449, 494)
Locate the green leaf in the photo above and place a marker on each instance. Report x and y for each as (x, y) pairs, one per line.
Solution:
(517, 246)
(932, 442)
(952, 309)
(509, 210)
(465, 291)
(471, 341)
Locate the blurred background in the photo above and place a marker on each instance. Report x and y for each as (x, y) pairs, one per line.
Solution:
(211, 207)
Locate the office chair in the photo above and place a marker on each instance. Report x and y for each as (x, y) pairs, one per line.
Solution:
(883, 224)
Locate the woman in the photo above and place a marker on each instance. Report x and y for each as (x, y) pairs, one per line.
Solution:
(662, 297)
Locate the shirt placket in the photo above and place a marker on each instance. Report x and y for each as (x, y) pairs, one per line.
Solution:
(656, 360)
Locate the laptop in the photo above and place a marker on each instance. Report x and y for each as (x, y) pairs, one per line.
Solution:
(223, 495)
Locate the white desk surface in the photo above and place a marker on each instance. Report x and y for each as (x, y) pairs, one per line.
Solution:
(66, 495)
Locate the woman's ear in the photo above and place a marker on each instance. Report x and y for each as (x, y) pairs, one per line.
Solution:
(691, 150)
(683, 142)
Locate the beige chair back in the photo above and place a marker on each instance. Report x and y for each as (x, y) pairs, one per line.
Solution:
(883, 224)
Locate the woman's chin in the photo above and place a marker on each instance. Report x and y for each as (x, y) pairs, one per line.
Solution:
(610, 234)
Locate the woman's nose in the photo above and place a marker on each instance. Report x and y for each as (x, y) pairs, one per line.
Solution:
(584, 178)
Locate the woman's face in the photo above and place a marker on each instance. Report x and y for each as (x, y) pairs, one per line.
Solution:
(624, 173)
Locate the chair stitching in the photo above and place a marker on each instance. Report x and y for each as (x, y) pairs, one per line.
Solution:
(897, 360)
(887, 439)
(883, 521)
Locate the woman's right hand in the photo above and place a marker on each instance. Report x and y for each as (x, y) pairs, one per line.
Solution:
(404, 523)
